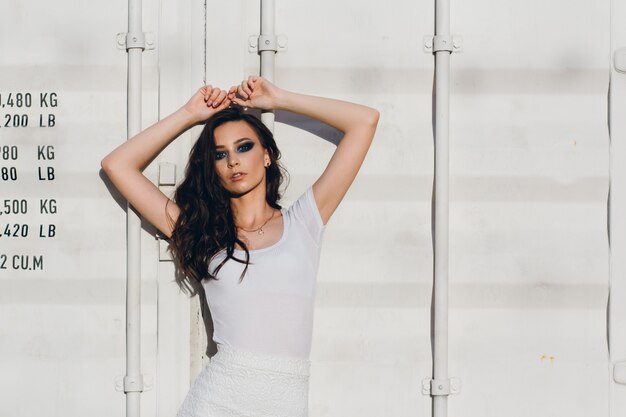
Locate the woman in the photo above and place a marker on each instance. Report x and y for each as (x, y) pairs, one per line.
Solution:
(256, 261)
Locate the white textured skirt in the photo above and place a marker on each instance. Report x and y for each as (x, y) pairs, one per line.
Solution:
(238, 383)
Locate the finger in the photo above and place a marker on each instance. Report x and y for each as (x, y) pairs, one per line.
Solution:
(232, 92)
(251, 80)
(238, 101)
(219, 99)
(246, 88)
(241, 92)
(224, 104)
(214, 94)
(206, 90)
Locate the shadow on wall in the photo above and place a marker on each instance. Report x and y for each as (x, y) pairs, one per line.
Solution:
(211, 348)
(315, 127)
(122, 203)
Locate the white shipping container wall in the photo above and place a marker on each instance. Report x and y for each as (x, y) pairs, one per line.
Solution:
(530, 171)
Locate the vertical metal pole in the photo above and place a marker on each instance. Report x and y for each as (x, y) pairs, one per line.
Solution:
(133, 381)
(268, 56)
(442, 82)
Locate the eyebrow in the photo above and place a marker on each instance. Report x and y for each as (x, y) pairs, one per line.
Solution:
(236, 142)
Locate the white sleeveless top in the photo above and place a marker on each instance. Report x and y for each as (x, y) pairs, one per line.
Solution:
(271, 310)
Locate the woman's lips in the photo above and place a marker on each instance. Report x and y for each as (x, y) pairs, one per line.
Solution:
(238, 177)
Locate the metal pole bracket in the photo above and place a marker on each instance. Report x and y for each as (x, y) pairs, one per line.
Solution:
(137, 383)
(619, 372)
(442, 43)
(436, 387)
(258, 44)
(143, 41)
(619, 60)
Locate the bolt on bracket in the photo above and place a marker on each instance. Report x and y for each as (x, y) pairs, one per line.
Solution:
(145, 40)
(442, 43)
(435, 387)
(276, 43)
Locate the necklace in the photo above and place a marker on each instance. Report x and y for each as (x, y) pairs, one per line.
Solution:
(260, 229)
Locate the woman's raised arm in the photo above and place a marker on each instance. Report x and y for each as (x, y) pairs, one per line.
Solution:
(357, 122)
(124, 165)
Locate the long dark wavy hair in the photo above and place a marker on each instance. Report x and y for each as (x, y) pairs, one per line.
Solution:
(205, 224)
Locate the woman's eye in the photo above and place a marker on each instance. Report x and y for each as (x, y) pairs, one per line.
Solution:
(246, 147)
(242, 148)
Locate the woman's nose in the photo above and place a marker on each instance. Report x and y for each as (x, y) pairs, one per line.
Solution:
(232, 161)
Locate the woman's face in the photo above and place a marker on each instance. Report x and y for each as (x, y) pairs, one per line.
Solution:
(238, 150)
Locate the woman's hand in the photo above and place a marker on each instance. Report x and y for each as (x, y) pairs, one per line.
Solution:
(255, 92)
(206, 102)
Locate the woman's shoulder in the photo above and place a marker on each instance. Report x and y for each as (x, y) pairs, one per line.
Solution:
(304, 211)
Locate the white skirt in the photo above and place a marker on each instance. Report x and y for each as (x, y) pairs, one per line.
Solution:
(237, 383)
